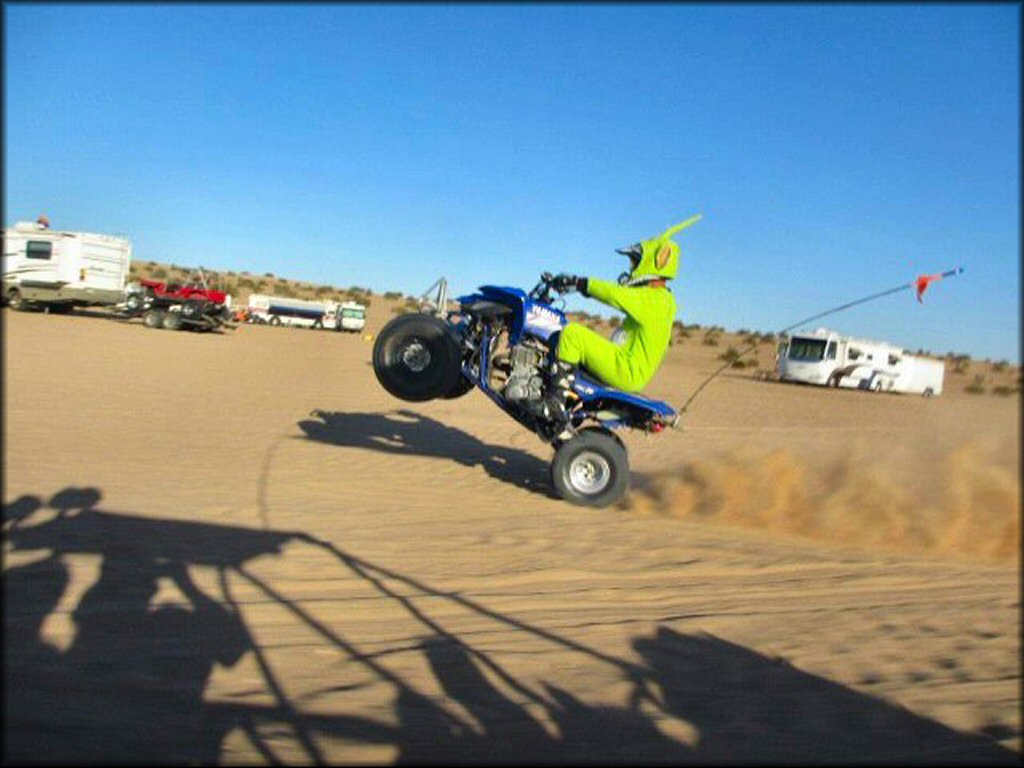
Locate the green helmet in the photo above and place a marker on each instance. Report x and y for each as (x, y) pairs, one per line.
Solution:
(655, 259)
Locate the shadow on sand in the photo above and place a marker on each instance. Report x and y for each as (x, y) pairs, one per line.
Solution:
(409, 433)
(130, 686)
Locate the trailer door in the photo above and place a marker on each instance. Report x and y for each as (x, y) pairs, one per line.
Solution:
(103, 264)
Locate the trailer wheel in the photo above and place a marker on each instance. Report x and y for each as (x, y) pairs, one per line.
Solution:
(173, 321)
(591, 469)
(154, 318)
(275, 320)
(317, 325)
(929, 392)
(16, 301)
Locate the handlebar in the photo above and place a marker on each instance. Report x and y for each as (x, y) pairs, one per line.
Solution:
(542, 290)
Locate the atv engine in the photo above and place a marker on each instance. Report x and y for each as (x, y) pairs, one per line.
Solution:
(526, 378)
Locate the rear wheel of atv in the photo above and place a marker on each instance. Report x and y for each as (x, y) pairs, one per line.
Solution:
(154, 318)
(416, 358)
(591, 469)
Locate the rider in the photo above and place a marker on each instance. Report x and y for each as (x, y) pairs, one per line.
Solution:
(643, 294)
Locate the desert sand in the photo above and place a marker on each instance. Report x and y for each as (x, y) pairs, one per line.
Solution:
(237, 548)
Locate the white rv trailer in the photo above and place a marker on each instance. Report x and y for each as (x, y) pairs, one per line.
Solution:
(827, 358)
(59, 270)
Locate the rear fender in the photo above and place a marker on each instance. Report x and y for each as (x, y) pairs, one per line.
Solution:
(599, 399)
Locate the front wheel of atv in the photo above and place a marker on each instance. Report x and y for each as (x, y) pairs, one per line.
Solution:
(591, 469)
(416, 358)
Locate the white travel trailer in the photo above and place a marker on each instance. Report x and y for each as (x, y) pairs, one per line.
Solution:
(58, 270)
(827, 358)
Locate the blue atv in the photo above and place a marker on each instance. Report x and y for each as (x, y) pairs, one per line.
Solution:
(499, 341)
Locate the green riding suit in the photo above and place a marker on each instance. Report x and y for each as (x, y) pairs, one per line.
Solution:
(650, 311)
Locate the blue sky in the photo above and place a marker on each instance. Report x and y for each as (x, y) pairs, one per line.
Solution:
(834, 151)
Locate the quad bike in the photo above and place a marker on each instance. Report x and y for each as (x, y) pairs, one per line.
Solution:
(497, 340)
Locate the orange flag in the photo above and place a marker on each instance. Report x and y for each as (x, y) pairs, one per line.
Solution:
(922, 283)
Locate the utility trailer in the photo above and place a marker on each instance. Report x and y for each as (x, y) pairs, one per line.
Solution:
(57, 270)
(192, 305)
(827, 358)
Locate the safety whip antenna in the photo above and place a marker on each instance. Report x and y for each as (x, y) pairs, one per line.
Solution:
(921, 283)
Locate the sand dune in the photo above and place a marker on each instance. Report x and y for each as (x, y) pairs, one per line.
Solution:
(237, 548)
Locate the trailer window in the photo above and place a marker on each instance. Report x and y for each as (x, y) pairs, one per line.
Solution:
(830, 351)
(38, 249)
(806, 349)
(854, 354)
(353, 313)
(894, 360)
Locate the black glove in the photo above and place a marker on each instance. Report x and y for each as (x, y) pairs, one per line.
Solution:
(564, 283)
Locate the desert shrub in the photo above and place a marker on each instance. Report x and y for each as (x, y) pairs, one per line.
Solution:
(732, 355)
(324, 290)
(961, 363)
(392, 295)
(159, 273)
(710, 340)
(1004, 391)
(401, 309)
(287, 291)
(1000, 366)
(976, 387)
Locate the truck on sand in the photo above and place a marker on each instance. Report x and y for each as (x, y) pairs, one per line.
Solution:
(57, 270)
(348, 316)
(304, 313)
(829, 359)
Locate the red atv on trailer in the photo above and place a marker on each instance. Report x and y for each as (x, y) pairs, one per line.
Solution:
(192, 304)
